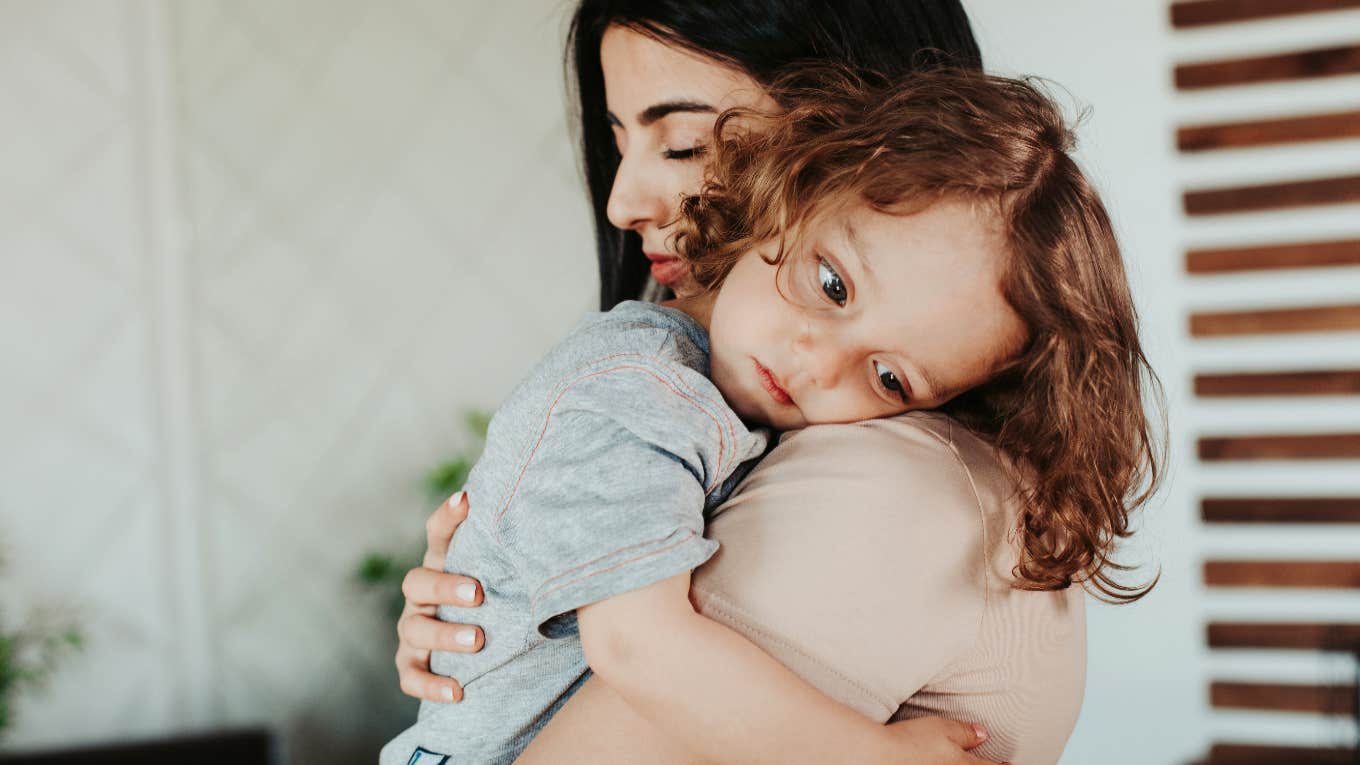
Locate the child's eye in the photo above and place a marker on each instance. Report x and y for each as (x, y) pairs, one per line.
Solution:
(831, 281)
(694, 151)
(890, 381)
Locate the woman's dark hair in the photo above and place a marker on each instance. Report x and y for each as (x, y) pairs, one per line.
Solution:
(760, 38)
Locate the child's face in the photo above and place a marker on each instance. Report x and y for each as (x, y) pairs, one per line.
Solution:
(884, 314)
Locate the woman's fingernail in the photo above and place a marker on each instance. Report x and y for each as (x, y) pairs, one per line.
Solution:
(980, 731)
(447, 693)
(467, 591)
(457, 497)
(466, 637)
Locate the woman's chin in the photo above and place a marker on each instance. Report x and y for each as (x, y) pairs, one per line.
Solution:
(685, 287)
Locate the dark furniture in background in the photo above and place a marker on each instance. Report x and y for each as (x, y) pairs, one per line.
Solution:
(247, 747)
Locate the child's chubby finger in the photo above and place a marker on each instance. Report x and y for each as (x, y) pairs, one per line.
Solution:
(424, 633)
(427, 587)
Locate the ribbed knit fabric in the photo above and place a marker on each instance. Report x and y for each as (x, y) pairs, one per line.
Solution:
(875, 560)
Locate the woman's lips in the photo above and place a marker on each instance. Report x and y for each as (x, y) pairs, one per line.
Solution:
(767, 381)
(667, 269)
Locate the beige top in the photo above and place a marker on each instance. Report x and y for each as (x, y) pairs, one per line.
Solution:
(874, 559)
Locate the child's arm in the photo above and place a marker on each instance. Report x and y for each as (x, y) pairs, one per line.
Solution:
(706, 685)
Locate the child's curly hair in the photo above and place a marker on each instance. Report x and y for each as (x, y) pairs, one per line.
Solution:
(1069, 408)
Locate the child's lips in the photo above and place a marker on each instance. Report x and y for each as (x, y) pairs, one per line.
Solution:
(772, 386)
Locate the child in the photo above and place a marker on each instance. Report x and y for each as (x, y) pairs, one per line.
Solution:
(809, 239)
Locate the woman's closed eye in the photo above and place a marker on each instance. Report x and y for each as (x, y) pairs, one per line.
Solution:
(697, 150)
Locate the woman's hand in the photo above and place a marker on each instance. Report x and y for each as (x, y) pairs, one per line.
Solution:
(935, 740)
(426, 588)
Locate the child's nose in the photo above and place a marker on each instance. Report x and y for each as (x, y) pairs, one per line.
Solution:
(826, 366)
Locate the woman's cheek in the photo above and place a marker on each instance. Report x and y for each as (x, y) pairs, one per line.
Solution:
(691, 178)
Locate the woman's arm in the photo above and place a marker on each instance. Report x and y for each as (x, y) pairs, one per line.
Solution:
(427, 587)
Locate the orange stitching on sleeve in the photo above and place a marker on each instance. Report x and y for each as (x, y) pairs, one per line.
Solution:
(534, 603)
(721, 407)
(548, 418)
(726, 412)
(574, 569)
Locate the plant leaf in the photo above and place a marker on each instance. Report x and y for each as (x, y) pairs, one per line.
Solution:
(449, 477)
(376, 568)
(477, 421)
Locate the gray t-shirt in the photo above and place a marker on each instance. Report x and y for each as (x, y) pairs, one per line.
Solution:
(597, 475)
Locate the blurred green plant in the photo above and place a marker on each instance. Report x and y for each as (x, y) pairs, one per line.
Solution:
(385, 570)
(28, 657)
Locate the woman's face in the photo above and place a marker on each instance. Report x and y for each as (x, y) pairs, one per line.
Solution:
(662, 104)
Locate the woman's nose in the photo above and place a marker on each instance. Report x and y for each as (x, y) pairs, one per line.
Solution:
(632, 203)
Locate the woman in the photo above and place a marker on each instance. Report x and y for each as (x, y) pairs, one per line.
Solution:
(918, 508)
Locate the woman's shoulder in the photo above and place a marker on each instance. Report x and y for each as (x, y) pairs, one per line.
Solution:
(926, 474)
(860, 552)
(918, 468)
(875, 559)
(914, 441)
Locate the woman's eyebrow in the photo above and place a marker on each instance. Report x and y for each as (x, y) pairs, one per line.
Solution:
(659, 111)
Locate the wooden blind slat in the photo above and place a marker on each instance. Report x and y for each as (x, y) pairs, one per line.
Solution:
(1333, 318)
(1261, 754)
(1280, 510)
(1319, 62)
(1198, 13)
(1236, 135)
(1340, 60)
(1312, 637)
(1332, 382)
(1273, 196)
(1301, 255)
(1282, 573)
(1284, 697)
(1288, 447)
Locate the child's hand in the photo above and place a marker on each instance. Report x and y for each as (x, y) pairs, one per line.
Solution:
(426, 588)
(936, 741)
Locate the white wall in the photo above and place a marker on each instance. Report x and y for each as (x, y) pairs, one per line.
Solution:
(258, 258)
(87, 522)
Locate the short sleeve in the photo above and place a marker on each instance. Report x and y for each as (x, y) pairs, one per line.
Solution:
(610, 497)
(853, 554)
